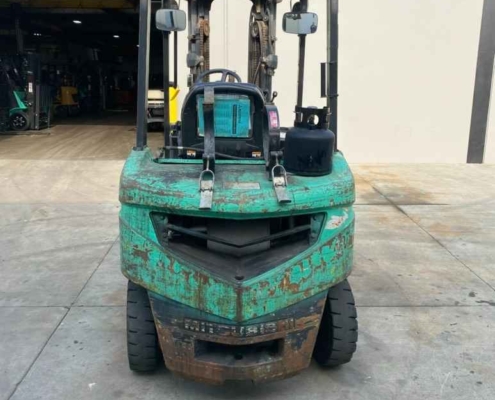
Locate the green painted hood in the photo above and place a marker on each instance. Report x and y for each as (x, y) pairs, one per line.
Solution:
(240, 188)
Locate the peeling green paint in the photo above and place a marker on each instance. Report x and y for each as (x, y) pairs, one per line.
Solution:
(174, 188)
(147, 186)
(324, 264)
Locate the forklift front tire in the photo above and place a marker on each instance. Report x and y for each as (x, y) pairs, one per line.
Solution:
(338, 334)
(143, 349)
(19, 121)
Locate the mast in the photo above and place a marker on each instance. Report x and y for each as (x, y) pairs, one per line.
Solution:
(198, 58)
(262, 59)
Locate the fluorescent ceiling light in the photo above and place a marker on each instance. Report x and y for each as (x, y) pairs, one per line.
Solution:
(116, 36)
(76, 21)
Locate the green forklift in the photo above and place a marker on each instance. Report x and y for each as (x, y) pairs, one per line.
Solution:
(29, 100)
(18, 107)
(237, 235)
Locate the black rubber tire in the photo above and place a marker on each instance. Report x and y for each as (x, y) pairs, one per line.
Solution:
(19, 122)
(338, 334)
(143, 348)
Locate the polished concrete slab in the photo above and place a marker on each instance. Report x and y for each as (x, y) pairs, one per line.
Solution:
(468, 233)
(24, 331)
(107, 286)
(366, 193)
(420, 184)
(398, 263)
(424, 280)
(48, 253)
(60, 181)
(404, 353)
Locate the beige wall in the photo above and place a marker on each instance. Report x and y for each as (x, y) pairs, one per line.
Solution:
(407, 70)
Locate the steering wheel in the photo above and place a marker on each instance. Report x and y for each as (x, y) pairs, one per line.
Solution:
(225, 74)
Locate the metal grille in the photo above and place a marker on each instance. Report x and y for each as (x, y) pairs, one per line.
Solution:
(241, 248)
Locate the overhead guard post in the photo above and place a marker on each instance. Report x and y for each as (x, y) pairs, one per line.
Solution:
(166, 85)
(143, 64)
(332, 64)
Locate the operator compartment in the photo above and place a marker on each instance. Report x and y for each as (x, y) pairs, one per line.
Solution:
(225, 120)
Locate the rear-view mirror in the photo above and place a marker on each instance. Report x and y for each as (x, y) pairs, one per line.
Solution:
(171, 20)
(300, 23)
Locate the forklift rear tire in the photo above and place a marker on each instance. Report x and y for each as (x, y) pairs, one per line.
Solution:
(338, 334)
(19, 122)
(143, 349)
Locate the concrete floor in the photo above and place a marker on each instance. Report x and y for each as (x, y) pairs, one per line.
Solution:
(424, 280)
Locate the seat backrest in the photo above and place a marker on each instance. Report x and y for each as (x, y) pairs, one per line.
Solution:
(236, 145)
(232, 114)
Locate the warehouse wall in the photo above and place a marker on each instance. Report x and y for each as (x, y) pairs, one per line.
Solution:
(407, 72)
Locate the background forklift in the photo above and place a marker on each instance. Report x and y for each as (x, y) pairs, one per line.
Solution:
(66, 102)
(29, 99)
(237, 244)
(156, 107)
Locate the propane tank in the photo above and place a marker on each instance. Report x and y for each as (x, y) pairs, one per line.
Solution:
(309, 145)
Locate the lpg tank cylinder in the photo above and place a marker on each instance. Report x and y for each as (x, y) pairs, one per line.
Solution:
(309, 145)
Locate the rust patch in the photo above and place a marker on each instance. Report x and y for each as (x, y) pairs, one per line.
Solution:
(142, 254)
(187, 275)
(299, 338)
(286, 284)
(264, 284)
(214, 353)
(203, 282)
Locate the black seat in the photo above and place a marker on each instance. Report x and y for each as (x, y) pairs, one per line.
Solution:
(231, 146)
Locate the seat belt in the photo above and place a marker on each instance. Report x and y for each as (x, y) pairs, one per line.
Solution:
(207, 176)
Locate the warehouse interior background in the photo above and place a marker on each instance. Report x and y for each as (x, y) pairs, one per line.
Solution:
(409, 71)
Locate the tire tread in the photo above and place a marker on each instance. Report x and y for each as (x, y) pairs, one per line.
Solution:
(338, 334)
(143, 349)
